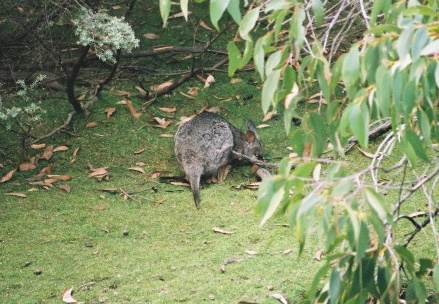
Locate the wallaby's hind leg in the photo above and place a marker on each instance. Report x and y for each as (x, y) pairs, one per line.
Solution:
(223, 171)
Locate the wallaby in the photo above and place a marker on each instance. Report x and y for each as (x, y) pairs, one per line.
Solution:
(203, 147)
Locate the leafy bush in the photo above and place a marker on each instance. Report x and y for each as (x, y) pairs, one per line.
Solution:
(390, 75)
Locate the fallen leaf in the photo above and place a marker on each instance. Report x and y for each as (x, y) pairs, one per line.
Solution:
(37, 146)
(204, 25)
(59, 177)
(138, 169)
(162, 86)
(156, 174)
(262, 126)
(42, 184)
(67, 297)
(365, 153)
(91, 124)
(75, 152)
(280, 298)
(210, 80)
(287, 251)
(60, 148)
(168, 110)
(17, 194)
(268, 116)
(110, 111)
(162, 122)
(123, 93)
(132, 110)
(251, 252)
(179, 15)
(219, 230)
(48, 152)
(180, 184)
(151, 36)
(318, 255)
(166, 135)
(215, 109)
(235, 80)
(50, 181)
(142, 92)
(193, 91)
(26, 167)
(139, 151)
(65, 187)
(46, 170)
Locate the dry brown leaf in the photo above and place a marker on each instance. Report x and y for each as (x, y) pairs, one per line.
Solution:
(110, 111)
(98, 171)
(17, 194)
(162, 122)
(132, 110)
(162, 86)
(8, 176)
(180, 184)
(60, 177)
(280, 298)
(138, 169)
(142, 92)
(262, 126)
(204, 25)
(251, 252)
(268, 116)
(179, 15)
(45, 170)
(42, 184)
(123, 93)
(26, 167)
(35, 159)
(151, 36)
(75, 152)
(37, 146)
(165, 135)
(210, 80)
(318, 255)
(91, 124)
(365, 153)
(168, 110)
(287, 251)
(235, 80)
(219, 230)
(50, 181)
(65, 187)
(48, 152)
(156, 174)
(67, 297)
(186, 95)
(215, 109)
(139, 151)
(116, 7)
(82, 96)
(60, 148)
(193, 91)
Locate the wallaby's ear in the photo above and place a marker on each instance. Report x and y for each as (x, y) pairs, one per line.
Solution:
(251, 128)
(250, 137)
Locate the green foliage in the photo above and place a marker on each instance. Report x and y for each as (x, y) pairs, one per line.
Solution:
(20, 118)
(390, 74)
(105, 34)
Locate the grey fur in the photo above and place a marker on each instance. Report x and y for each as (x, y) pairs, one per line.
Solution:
(203, 148)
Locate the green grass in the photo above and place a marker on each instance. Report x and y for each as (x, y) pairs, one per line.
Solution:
(171, 253)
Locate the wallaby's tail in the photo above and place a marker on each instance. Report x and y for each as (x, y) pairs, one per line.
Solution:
(195, 186)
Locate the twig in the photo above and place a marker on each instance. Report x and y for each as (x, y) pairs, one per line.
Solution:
(60, 128)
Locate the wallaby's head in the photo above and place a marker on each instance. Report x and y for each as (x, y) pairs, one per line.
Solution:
(253, 146)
